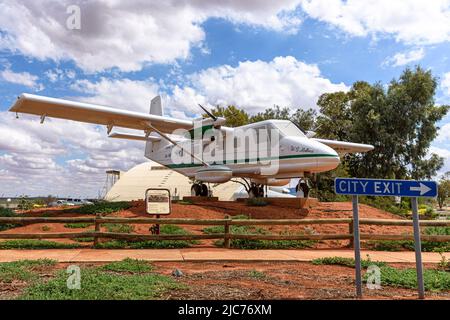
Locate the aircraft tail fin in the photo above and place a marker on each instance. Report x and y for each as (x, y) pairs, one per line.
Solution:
(156, 106)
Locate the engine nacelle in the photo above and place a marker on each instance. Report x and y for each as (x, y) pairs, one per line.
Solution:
(272, 182)
(214, 174)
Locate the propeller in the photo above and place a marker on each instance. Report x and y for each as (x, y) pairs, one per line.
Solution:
(218, 121)
(207, 112)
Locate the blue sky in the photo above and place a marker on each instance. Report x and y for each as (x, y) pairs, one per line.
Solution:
(254, 55)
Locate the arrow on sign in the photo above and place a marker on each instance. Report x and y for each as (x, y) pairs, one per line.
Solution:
(422, 188)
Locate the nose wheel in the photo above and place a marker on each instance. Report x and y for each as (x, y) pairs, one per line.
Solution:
(303, 187)
(199, 190)
(256, 191)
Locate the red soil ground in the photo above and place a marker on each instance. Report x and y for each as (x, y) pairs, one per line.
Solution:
(218, 210)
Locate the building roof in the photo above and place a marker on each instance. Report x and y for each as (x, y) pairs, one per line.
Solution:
(133, 183)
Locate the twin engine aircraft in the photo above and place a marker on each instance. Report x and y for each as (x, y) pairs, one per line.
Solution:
(266, 153)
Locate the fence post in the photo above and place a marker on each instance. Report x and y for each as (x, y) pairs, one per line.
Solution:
(97, 228)
(226, 242)
(350, 230)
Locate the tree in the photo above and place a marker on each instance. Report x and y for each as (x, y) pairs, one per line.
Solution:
(272, 113)
(235, 117)
(399, 121)
(443, 190)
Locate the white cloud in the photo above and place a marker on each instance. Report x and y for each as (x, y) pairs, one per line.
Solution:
(404, 58)
(444, 135)
(59, 157)
(444, 153)
(22, 78)
(128, 34)
(122, 93)
(256, 85)
(409, 21)
(445, 85)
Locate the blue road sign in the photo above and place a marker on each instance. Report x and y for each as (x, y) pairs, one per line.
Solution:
(380, 187)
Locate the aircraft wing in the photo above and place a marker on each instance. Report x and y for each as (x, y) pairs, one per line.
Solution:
(96, 114)
(343, 147)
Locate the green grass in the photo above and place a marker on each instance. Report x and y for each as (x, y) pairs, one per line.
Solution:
(128, 265)
(256, 274)
(23, 270)
(435, 280)
(151, 244)
(36, 244)
(78, 225)
(257, 202)
(6, 212)
(427, 246)
(256, 244)
(119, 227)
(125, 280)
(101, 207)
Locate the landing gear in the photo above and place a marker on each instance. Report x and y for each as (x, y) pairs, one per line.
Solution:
(199, 190)
(303, 188)
(256, 191)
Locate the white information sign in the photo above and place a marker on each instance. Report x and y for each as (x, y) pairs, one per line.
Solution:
(157, 201)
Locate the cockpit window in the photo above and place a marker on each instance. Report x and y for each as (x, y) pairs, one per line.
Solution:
(287, 128)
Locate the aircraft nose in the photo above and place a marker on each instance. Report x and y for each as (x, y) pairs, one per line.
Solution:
(328, 158)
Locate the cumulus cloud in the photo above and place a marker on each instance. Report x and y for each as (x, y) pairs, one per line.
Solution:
(128, 34)
(127, 94)
(445, 84)
(59, 157)
(409, 21)
(22, 78)
(256, 85)
(404, 58)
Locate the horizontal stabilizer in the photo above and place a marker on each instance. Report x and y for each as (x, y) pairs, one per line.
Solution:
(346, 147)
(127, 136)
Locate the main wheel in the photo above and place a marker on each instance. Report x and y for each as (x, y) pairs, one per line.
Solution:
(196, 190)
(204, 190)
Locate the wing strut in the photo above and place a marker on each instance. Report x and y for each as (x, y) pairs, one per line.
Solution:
(175, 144)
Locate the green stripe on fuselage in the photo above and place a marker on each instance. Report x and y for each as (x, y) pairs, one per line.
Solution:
(291, 156)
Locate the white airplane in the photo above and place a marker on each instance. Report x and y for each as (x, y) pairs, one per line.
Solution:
(298, 155)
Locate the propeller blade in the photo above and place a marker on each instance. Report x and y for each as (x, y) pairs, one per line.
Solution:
(208, 113)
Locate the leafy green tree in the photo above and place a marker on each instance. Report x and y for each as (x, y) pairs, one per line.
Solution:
(235, 117)
(304, 119)
(272, 113)
(399, 121)
(443, 190)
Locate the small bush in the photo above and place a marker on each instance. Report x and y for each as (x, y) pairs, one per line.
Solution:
(257, 202)
(46, 228)
(128, 265)
(6, 212)
(78, 225)
(101, 207)
(36, 244)
(119, 228)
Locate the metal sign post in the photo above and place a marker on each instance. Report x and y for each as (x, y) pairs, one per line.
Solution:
(357, 246)
(418, 248)
(382, 187)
